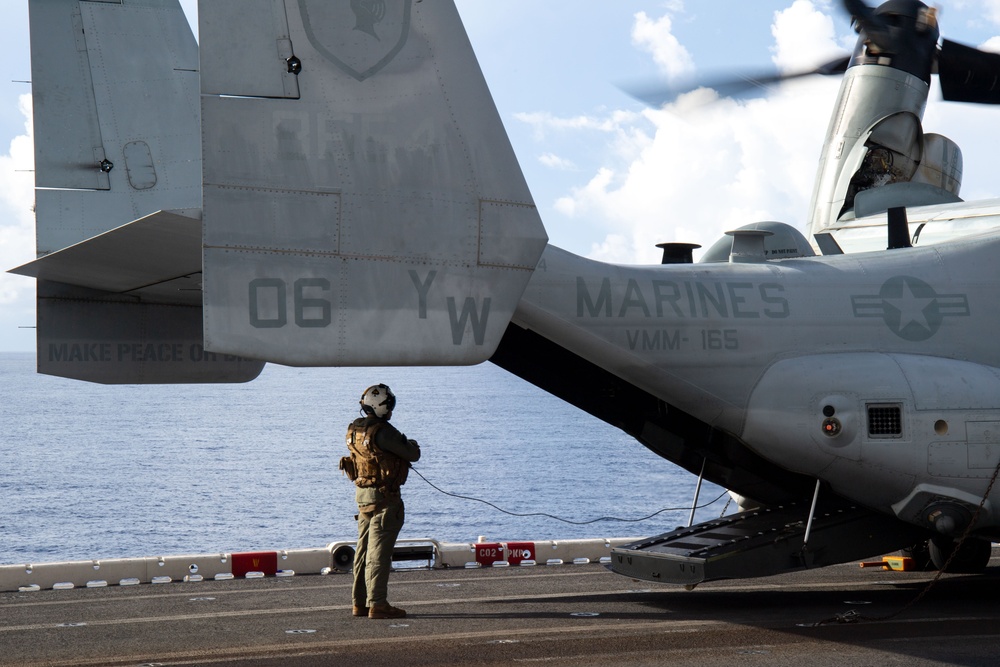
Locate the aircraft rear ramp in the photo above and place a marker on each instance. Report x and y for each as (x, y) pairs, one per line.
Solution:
(762, 542)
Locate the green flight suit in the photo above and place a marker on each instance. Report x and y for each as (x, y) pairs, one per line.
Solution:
(380, 515)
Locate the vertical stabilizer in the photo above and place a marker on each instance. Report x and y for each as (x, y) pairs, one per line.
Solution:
(362, 203)
(116, 115)
(117, 139)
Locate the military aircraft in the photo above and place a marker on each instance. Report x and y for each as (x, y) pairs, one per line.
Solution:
(329, 184)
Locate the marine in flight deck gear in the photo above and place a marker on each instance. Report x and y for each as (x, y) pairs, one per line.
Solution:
(378, 465)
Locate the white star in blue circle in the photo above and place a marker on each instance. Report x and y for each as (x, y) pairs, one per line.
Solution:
(910, 307)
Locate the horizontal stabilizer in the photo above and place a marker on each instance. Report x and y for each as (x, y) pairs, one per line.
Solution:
(107, 338)
(362, 203)
(136, 259)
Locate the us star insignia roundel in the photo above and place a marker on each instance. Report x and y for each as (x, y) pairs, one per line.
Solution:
(359, 36)
(911, 308)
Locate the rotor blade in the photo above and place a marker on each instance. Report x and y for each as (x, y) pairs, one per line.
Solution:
(874, 25)
(968, 74)
(739, 86)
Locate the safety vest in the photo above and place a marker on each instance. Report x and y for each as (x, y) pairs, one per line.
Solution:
(373, 467)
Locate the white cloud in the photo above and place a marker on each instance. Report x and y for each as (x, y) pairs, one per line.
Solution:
(991, 11)
(17, 238)
(694, 170)
(656, 37)
(804, 36)
(16, 203)
(733, 164)
(693, 176)
(615, 248)
(992, 45)
(553, 161)
(543, 122)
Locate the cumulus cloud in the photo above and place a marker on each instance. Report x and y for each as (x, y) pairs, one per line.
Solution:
(553, 161)
(702, 175)
(692, 171)
(691, 177)
(656, 37)
(543, 122)
(17, 238)
(16, 216)
(992, 45)
(991, 11)
(804, 36)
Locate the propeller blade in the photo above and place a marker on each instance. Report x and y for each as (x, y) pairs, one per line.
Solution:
(874, 25)
(738, 86)
(968, 74)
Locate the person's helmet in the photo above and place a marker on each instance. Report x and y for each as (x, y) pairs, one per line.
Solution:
(378, 401)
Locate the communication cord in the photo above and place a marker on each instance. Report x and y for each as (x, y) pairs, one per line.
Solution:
(550, 516)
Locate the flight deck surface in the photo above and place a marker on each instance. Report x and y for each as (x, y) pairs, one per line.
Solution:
(548, 615)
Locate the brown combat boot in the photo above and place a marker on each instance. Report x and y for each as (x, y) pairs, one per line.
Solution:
(385, 610)
(359, 611)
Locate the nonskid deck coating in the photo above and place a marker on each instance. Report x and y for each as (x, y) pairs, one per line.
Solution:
(565, 615)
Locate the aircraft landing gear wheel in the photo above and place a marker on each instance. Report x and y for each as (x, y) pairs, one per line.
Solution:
(921, 555)
(972, 558)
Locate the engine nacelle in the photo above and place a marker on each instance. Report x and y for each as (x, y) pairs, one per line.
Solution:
(909, 435)
(941, 165)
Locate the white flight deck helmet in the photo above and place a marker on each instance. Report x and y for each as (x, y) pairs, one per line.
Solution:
(378, 401)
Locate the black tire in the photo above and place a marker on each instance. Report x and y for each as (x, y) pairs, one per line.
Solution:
(972, 557)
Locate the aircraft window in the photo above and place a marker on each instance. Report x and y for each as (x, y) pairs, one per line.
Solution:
(885, 421)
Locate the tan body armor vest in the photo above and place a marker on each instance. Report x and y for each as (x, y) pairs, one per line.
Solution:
(373, 467)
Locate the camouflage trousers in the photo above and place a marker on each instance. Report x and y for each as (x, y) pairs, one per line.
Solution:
(377, 532)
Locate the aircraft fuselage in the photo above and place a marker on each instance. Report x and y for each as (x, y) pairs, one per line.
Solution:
(771, 351)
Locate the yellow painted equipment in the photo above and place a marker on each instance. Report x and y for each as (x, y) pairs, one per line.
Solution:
(896, 563)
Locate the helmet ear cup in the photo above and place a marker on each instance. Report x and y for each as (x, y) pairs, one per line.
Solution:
(378, 401)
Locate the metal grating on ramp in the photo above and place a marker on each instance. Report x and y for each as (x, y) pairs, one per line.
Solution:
(762, 542)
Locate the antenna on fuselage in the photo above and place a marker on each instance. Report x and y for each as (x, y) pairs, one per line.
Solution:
(899, 228)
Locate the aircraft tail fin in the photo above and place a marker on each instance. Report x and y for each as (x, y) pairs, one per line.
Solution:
(362, 203)
(115, 98)
(117, 140)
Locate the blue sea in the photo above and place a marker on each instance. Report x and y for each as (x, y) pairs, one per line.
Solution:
(93, 471)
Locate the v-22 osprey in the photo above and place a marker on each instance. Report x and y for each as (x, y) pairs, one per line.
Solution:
(328, 183)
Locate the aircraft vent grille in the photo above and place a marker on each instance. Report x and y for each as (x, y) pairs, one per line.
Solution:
(885, 421)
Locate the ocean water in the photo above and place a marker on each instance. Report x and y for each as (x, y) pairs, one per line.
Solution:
(93, 471)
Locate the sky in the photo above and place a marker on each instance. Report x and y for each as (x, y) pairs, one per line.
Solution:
(611, 177)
